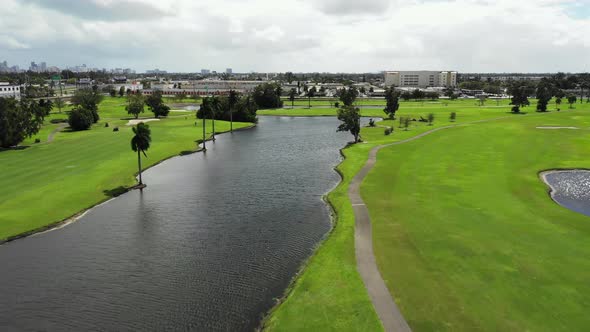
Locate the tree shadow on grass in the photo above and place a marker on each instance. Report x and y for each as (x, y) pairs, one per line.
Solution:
(15, 148)
(115, 191)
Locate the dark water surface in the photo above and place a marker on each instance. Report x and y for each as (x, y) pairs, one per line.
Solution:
(208, 245)
(571, 189)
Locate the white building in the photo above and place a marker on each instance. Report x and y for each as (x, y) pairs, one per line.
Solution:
(7, 90)
(421, 78)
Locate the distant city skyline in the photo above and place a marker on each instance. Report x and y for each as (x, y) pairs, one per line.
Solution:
(315, 36)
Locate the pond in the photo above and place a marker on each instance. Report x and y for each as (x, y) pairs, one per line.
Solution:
(210, 244)
(570, 188)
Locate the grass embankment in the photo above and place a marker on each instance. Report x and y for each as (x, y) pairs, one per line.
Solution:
(329, 293)
(466, 236)
(48, 182)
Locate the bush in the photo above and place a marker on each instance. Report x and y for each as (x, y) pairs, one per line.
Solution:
(371, 123)
(388, 131)
(37, 140)
(54, 121)
(80, 119)
(116, 129)
(106, 125)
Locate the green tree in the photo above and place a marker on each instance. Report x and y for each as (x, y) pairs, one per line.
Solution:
(407, 121)
(80, 118)
(136, 105)
(453, 116)
(571, 99)
(544, 94)
(19, 120)
(121, 91)
(292, 94)
(232, 99)
(392, 100)
(268, 95)
(418, 94)
(406, 95)
(519, 92)
(351, 120)
(59, 103)
(430, 118)
(310, 94)
(289, 77)
(348, 96)
(140, 143)
(88, 100)
(156, 104)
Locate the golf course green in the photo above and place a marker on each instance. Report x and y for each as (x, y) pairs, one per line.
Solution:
(80, 169)
(466, 236)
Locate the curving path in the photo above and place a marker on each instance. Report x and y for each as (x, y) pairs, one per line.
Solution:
(387, 310)
(55, 131)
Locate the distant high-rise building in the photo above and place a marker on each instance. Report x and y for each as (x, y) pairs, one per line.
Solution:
(43, 67)
(205, 71)
(228, 71)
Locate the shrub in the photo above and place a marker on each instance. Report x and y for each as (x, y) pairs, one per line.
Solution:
(116, 129)
(388, 131)
(54, 121)
(37, 140)
(106, 125)
(371, 123)
(80, 119)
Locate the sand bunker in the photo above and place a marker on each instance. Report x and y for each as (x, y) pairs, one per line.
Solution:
(551, 127)
(134, 122)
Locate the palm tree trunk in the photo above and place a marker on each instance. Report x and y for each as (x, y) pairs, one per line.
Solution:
(231, 120)
(213, 123)
(204, 117)
(139, 166)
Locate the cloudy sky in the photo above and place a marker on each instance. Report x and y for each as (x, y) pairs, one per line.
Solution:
(300, 35)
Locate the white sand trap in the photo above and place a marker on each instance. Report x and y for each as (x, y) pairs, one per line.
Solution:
(134, 122)
(551, 127)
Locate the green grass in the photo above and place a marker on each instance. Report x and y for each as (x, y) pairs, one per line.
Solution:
(78, 169)
(466, 236)
(328, 292)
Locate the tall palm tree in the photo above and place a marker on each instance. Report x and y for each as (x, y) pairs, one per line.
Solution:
(232, 101)
(292, 94)
(215, 105)
(140, 143)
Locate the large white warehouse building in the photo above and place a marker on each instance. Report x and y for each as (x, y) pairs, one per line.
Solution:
(421, 78)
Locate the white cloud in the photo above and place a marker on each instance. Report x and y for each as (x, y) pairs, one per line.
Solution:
(304, 35)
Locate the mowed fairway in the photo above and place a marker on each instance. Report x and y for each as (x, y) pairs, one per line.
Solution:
(329, 292)
(466, 236)
(49, 182)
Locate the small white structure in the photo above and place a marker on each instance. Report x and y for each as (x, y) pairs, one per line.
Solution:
(7, 90)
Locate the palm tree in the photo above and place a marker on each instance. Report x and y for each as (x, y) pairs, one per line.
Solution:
(292, 94)
(232, 101)
(140, 143)
(215, 105)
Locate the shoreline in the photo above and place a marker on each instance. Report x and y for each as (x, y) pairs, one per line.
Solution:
(551, 191)
(78, 215)
(334, 223)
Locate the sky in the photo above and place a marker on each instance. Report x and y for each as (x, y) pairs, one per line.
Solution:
(300, 35)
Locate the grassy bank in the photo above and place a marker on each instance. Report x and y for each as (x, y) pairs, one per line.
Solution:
(466, 236)
(80, 169)
(329, 292)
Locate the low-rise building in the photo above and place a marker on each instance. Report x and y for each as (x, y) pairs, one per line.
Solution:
(7, 90)
(421, 78)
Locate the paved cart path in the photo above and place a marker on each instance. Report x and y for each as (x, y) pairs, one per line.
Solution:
(387, 310)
